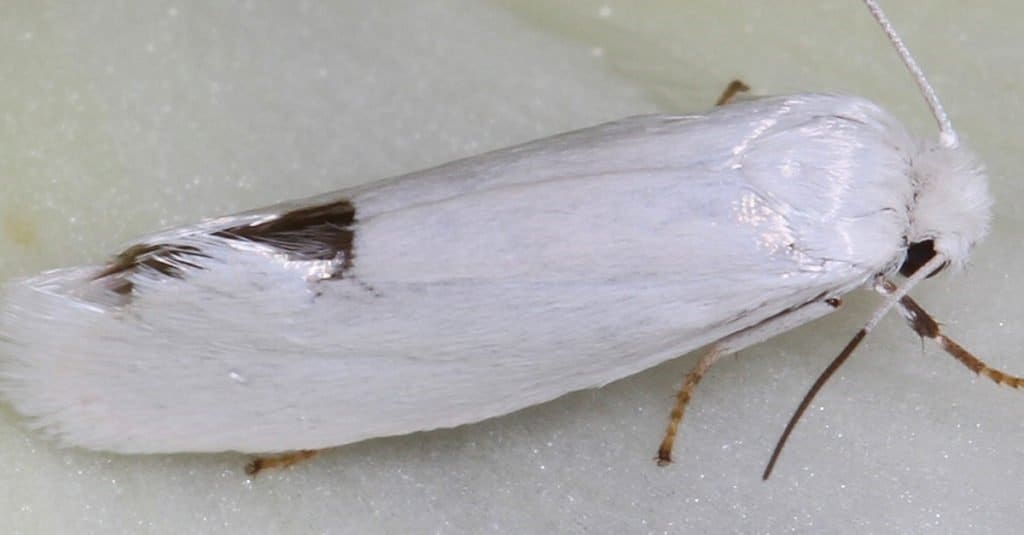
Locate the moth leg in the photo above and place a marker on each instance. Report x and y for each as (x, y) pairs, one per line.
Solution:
(781, 322)
(259, 464)
(926, 327)
(682, 400)
(735, 87)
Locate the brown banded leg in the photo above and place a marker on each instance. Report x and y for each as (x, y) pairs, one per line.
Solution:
(259, 464)
(734, 88)
(926, 327)
(682, 400)
(779, 323)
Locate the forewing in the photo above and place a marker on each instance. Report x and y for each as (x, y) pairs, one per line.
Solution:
(465, 291)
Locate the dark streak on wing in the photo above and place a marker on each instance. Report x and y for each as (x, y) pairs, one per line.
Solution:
(323, 232)
(167, 259)
(315, 233)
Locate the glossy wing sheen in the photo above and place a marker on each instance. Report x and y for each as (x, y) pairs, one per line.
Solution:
(469, 290)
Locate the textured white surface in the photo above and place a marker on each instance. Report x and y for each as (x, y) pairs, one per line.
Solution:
(120, 120)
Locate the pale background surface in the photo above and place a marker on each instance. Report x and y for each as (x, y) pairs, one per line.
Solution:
(120, 119)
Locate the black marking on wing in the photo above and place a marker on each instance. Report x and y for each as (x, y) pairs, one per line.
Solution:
(316, 233)
(167, 259)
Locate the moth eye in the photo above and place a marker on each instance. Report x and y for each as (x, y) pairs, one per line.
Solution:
(918, 254)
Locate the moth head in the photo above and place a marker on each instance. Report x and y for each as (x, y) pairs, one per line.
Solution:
(951, 208)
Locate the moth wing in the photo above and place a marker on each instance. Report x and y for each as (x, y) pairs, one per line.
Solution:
(462, 292)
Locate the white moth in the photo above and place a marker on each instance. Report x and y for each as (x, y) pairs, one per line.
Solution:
(490, 284)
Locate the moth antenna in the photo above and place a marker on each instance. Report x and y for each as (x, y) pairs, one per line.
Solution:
(947, 135)
(894, 295)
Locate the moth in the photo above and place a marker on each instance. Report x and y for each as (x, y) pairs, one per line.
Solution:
(497, 282)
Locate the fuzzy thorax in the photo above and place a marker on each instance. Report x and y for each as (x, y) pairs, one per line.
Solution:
(952, 204)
